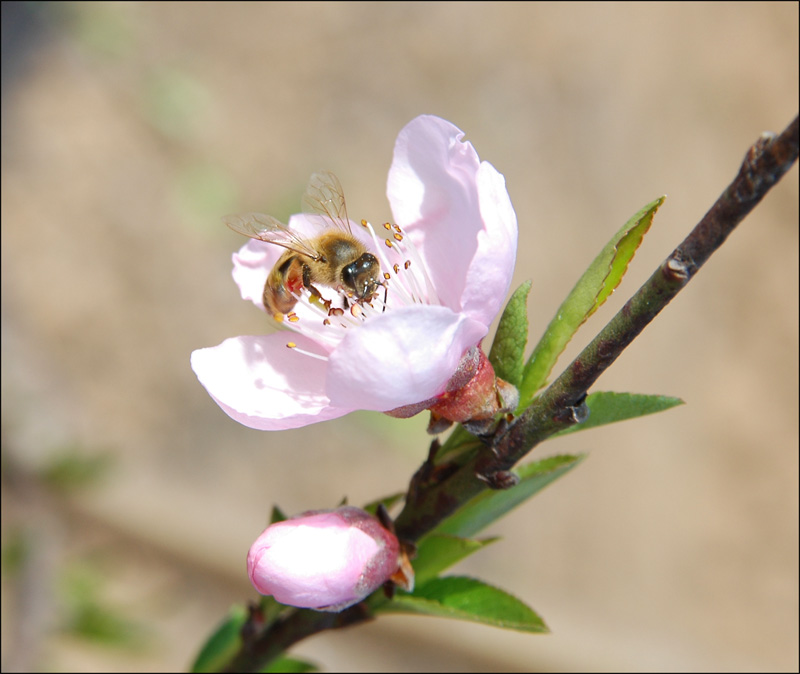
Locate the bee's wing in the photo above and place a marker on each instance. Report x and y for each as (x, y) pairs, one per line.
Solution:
(271, 230)
(324, 196)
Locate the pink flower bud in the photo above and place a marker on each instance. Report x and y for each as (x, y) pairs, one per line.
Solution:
(323, 559)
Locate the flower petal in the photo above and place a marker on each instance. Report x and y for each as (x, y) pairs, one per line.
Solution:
(489, 275)
(433, 193)
(262, 384)
(251, 266)
(400, 358)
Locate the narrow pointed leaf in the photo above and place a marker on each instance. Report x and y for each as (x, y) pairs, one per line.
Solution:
(491, 505)
(467, 599)
(287, 665)
(508, 348)
(606, 407)
(223, 644)
(589, 293)
(436, 552)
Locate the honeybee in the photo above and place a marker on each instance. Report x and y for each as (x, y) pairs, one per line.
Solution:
(335, 258)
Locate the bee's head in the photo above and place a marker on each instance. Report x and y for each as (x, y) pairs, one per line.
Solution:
(362, 276)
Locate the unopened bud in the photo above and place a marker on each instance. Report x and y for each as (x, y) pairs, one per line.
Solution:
(323, 559)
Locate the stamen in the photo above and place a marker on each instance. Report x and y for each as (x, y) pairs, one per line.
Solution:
(415, 287)
(321, 330)
(325, 316)
(384, 261)
(411, 280)
(293, 346)
(409, 251)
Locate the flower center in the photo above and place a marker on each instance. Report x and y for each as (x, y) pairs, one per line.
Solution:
(405, 281)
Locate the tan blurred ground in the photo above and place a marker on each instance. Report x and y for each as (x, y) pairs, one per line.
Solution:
(129, 129)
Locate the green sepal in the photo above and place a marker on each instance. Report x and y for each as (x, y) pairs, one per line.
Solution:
(590, 292)
(492, 504)
(277, 515)
(606, 407)
(465, 598)
(508, 349)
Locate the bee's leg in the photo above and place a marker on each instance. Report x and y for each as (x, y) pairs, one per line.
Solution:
(316, 295)
(307, 282)
(314, 292)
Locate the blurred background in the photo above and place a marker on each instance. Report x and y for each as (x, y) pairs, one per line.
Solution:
(130, 499)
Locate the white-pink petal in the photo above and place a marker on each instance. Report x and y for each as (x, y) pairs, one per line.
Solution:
(261, 383)
(434, 198)
(251, 265)
(489, 275)
(400, 358)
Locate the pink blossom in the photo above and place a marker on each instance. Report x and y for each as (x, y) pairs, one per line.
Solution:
(449, 266)
(324, 559)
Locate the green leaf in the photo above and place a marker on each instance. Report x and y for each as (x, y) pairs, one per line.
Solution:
(223, 644)
(508, 348)
(589, 293)
(437, 552)
(467, 599)
(606, 407)
(287, 665)
(491, 505)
